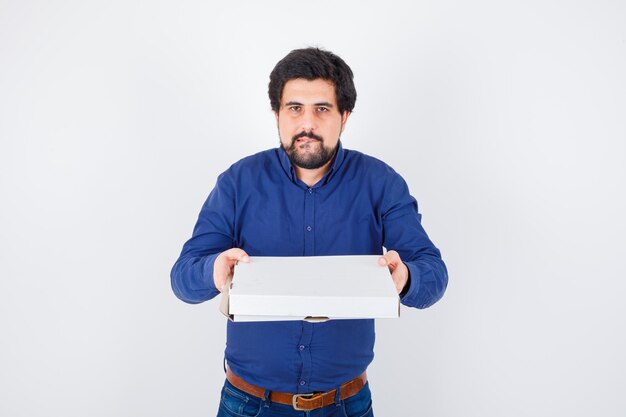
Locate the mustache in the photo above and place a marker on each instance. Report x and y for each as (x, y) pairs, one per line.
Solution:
(308, 135)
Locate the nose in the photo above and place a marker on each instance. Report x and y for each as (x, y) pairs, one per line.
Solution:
(308, 121)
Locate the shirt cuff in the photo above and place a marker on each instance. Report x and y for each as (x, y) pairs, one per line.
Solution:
(207, 275)
(407, 285)
(408, 296)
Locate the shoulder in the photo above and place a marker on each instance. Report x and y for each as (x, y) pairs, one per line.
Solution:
(376, 175)
(251, 165)
(365, 164)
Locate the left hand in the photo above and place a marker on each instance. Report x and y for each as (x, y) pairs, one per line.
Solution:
(399, 271)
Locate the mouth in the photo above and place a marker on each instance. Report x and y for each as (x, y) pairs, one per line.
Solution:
(306, 139)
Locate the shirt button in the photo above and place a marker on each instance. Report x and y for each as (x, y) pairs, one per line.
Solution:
(310, 190)
(309, 228)
(301, 347)
(302, 382)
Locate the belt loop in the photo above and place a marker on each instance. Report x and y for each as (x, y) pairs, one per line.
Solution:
(338, 397)
(266, 399)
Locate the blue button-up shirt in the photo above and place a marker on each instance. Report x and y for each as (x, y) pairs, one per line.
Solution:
(259, 205)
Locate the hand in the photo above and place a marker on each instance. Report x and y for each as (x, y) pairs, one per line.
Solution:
(399, 271)
(224, 266)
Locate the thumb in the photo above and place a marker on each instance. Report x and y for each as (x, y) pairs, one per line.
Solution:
(238, 255)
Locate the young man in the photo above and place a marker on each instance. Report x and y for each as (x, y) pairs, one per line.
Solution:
(309, 197)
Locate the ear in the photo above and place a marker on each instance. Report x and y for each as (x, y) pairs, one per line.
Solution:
(276, 115)
(344, 118)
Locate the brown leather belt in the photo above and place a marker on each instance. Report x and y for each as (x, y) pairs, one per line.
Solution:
(302, 402)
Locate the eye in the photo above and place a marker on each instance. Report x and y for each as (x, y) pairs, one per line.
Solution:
(295, 109)
(322, 109)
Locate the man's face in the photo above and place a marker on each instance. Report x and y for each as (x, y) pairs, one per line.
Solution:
(309, 122)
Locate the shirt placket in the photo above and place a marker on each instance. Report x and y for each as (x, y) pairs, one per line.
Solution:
(309, 222)
(304, 346)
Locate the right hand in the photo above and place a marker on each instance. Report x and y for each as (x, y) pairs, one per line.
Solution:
(224, 266)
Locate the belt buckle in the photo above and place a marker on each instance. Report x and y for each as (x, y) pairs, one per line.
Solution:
(294, 401)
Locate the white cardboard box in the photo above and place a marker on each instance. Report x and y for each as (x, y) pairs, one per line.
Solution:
(314, 288)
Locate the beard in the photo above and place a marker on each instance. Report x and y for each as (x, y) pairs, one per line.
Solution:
(308, 157)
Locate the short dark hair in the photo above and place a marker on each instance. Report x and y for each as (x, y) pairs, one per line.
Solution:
(311, 64)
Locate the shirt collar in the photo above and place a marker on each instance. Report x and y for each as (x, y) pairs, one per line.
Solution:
(288, 168)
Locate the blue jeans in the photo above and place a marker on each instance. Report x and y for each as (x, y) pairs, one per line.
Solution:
(236, 403)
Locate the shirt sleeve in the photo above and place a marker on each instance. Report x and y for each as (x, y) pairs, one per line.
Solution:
(403, 232)
(192, 274)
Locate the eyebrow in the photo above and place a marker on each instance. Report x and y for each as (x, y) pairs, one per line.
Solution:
(322, 103)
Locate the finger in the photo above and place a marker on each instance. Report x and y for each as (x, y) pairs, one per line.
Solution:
(385, 262)
(236, 254)
(391, 259)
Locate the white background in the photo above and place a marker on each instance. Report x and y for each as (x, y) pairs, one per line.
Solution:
(506, 118)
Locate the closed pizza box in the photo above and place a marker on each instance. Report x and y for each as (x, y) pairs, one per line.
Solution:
(313, 288)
